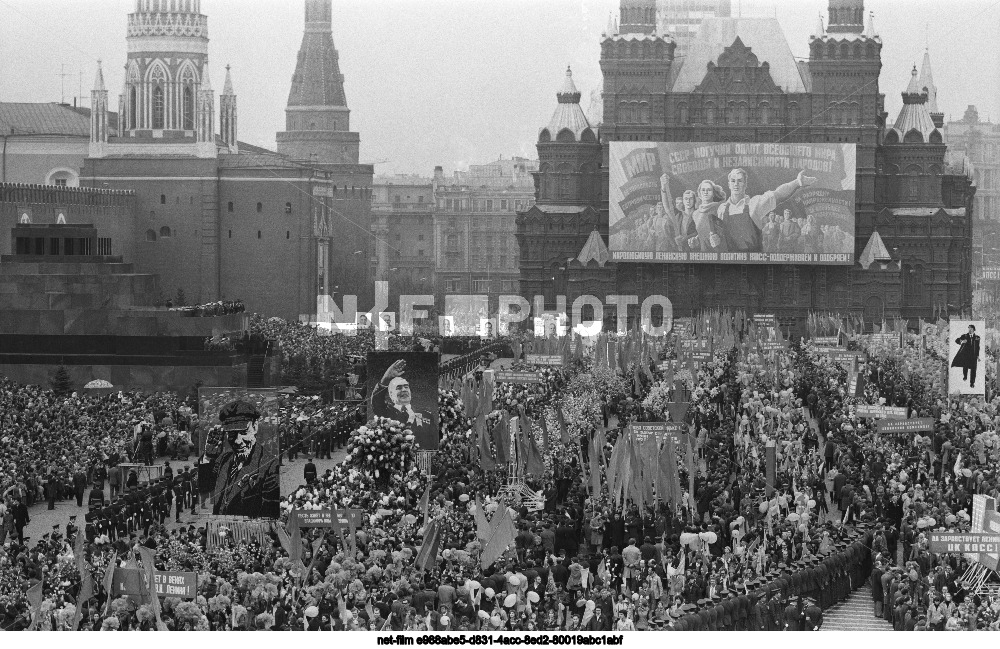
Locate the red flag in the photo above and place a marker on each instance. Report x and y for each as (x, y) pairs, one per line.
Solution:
(563, 430)
(86, 594)
(147, 556)
(34, 596)
(427, 555)
(596, 451)
(545, 433)
(108, 581)
(501, 438)
(501, 536)
(485, 456)
(425, 503)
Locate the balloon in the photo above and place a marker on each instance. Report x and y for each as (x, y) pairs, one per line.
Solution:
(510, 600)
(533, 597)
(580, 603)
(496, 621)
(763, 507)
(811, 503)
(710, 537)
(483, 615)
(464, 498)
(740, 520)
(967, 472)
(490, 593)
(348, 616)
(513, 580)
(312, 611)
(793, 517)
(803, 528)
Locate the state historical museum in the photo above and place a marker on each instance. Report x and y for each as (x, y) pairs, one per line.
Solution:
(738, 82)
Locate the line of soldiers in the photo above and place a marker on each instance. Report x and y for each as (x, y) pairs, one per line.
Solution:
(141, 506)
(321, 438)
(788, 598)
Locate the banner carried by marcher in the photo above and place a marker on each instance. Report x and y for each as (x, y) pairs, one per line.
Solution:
(872, 411)
(511, 376)
(732, 202)
(904, 426)
(129, 582)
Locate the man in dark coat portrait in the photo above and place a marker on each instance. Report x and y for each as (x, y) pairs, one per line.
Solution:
(246, 482)
(968, 355)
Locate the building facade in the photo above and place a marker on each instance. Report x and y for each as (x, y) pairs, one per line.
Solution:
(682, 18)
(475, 241)
(975, 142)
(214, 217)
(738, 82)
(403, 209)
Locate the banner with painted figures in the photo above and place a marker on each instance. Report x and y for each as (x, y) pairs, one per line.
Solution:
(732, 202)
(240, 452)
(966, 369)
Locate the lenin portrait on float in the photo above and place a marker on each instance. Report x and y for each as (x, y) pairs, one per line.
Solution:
(243, 467)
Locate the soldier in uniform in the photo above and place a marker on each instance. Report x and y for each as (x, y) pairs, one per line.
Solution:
(812, 616)
(792, 616)
(760, 617)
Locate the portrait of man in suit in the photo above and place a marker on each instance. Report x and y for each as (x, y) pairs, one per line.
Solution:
(245, 480)
(406, 392)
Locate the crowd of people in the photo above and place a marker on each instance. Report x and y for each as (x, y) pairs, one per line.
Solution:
(742, 549)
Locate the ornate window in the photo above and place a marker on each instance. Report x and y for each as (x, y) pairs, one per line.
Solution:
(682, 112)
(188, 108)
(158, 107)
(764, 109)
(710, 113)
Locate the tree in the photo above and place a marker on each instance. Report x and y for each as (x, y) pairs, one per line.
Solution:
(61, 383)
(180, 299)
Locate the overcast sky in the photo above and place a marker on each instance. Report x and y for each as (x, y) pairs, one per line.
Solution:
(451, 82)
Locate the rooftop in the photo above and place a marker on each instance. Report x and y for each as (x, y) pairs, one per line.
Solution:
(762, 35)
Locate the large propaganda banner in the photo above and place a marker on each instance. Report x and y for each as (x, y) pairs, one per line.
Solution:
(240, 451)
(747, 203)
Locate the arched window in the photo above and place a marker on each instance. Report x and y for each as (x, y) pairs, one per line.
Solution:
(260, 207)
(765, 112)
(741, 113)
(164, 231)
(188, 109)
(793, 113)
(150, 235)
(682, 112)
(229, 207)
(158, 107)
(854, 115)
(132, 108)
(710, 113)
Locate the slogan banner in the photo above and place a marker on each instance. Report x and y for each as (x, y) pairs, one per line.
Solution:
(871, 411)
(343, 520)
(732, 202)
(518, 377)
(765, 320)
(132, 582)
(641, 431)
(826, 340)
(904, 426)
(543, 359)
(991, 273)
(889, 339)
(964, 542)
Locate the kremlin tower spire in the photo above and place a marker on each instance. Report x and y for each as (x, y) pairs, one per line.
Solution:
(227, 114)
(98, 111)
(317, 120)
